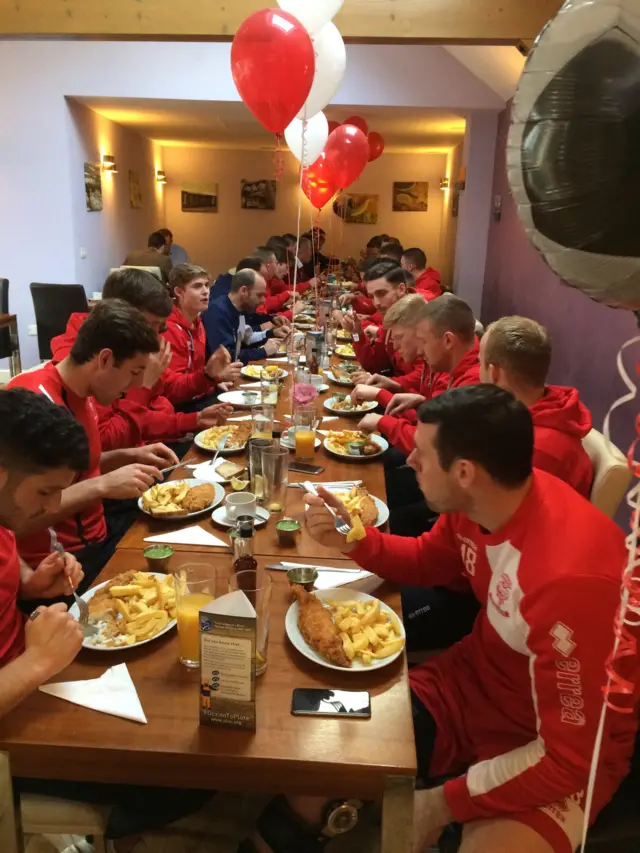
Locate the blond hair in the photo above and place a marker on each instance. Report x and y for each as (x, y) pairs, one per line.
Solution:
(182, 274)
(407, 311)
(449, 313)
(521, 347)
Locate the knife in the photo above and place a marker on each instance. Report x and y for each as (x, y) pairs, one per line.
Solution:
(283, 568)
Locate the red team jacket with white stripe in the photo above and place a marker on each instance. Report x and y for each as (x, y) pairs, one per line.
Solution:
(519, 699)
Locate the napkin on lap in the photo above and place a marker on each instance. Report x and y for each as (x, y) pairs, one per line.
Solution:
(113, 693)
(188, 536)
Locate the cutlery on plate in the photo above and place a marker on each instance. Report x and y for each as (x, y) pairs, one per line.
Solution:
(346, 484)
(284, 567)
(83, 608)
(341, 526)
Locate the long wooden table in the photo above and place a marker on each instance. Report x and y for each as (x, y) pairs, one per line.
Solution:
(48, 738)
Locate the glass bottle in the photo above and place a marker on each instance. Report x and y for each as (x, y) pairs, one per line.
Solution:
(243, 559)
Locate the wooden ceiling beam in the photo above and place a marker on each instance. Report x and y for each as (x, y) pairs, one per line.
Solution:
(435, 21)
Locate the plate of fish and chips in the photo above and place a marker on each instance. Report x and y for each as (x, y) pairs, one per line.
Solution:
(341, 404)
(371, 510)
(344, 629)
(130, 610)
(181, 499)
(237, 435)
(338, 443)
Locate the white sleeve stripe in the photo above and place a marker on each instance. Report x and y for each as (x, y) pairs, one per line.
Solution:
(488, 775)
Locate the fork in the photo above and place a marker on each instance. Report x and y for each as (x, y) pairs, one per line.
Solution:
(83, 608)
(341, 526)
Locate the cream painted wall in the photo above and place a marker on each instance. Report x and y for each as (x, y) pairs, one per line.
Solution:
(219, 240)
(108, 235)
(449, 223)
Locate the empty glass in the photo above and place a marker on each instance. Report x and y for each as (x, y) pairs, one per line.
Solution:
(275, 470)
(256, 585)
(256, 474)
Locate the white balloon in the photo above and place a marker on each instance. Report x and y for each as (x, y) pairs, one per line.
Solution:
(331, 62)
(312, 14)
(315, 138)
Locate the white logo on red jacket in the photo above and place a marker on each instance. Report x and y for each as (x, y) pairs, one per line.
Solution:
(469, 553)
(563, 639)
(502, 593)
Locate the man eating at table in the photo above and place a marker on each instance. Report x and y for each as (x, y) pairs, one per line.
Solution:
(509, 714)
(42, 449)
(108, 357)
(426, 279)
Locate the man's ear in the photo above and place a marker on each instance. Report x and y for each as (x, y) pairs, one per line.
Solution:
(105, 359)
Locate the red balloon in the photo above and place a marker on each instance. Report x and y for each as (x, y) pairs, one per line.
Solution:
(347, 152)
(333, 125)
(317, 182)
(359, 122)
(376, 145)
(273, 63)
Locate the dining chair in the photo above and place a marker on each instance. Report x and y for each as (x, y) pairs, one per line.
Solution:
(612, 474)
(6, 347)
(53, 305)
(42, 815)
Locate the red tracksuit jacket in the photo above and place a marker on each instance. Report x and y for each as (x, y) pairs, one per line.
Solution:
(519, 699)
(379, 355)
(11, 619)
(400, 430)
(185, 378)
(89, 525)
(141, 416)
(277, 296)
(428, 284)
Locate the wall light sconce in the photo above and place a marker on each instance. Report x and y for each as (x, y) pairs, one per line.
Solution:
(444, 183)
(109, 164)
(161, 178)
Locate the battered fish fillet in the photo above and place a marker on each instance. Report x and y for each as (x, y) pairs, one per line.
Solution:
(199, 497)
(318, 628)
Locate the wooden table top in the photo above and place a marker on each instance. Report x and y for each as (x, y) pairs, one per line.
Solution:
(265, 542)
(49, 738)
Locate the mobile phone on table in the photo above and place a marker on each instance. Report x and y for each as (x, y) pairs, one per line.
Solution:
(304, 467)
(312, 701)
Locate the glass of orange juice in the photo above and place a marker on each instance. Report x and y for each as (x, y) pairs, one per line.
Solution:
(305, 420)
(195, 585)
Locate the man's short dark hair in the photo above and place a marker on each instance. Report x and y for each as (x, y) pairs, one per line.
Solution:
(486, 425)
(251, 263)
(389, 270)
(116, 326)
(289, 239)
(38, 435)
(391, 250)
(140, 289)
(165, 233)
(365, 265)
(244, 278)
(276, 242)
(264, 252)
(416, 257)
(156, 240)
(449, 313)
(375, 243)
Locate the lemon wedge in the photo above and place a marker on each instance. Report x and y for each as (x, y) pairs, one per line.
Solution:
(238, 485)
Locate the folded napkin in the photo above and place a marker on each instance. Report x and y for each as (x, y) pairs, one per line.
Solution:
(113, 693)
(324, 420)
(327, 580)
(242, 418)
(188, 536)
(208, 473)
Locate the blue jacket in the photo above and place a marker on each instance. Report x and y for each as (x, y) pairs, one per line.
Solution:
(221, 321)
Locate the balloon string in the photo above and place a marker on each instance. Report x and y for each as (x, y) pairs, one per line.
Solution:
(278, 159)
(625, 643)
(295, 263)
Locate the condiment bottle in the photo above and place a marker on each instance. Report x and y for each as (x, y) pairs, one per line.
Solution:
(243, 559)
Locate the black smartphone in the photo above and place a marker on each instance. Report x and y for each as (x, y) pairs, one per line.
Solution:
(304, 467)
(311, 701)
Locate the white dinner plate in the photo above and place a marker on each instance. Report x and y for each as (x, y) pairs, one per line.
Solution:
(249, 372)
(241, 399)
(290, 443)
(383, 509)
(73, 610)
(192, 482)
(220, 516)
(363, 408)
(338, 594)
(335, 379)
(347, 457)
(228, 451)
(343, 335)
(344, 353)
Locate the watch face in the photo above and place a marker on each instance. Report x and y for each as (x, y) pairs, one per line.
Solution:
(342, 818)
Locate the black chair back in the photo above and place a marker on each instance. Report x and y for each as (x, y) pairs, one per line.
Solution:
(53, 305)
(5, 335)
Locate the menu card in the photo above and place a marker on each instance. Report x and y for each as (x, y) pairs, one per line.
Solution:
(227, 662)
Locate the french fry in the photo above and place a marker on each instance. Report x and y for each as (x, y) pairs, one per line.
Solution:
(123, 609)
(374, 639)
(125, 591)
(366, 659)
(160, 594)
(349, 650)
(388, 649)
(367, 632)
(372, 616)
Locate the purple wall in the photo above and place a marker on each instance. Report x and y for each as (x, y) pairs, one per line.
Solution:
(586, 335)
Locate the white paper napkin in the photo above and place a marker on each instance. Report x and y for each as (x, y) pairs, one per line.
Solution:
(113, 693)
(327, 580)
(208, 472)
(188, 536)
(324, 420)
(242, 418)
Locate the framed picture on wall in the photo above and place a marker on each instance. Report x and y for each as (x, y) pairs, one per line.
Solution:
(410, 196)
(357, 208)
(135, 193)
(198, 197)
(93, 186)
(258, 195)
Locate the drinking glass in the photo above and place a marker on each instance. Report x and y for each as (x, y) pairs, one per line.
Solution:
(254, 456)
(195, 585)
(256, 585)
(305, 419)
(275, 469)
(269, 389)
(262, 422)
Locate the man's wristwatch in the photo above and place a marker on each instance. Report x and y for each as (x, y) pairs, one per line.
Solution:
(285, 832)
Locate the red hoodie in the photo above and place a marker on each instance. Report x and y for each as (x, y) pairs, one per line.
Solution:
(428, 284)
(380, 354)
(11, 619)
(401, 430)
(277, 295)
(185, 378)
(89, 525)
(142, 415)
(561, 421)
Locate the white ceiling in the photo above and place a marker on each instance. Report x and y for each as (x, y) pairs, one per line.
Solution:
(228, 124)
(499, 67)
